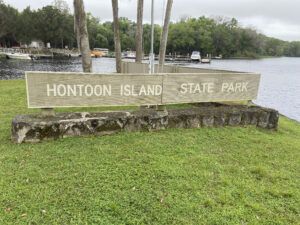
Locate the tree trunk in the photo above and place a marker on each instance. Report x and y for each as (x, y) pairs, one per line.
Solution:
(139, 32)
(117, 35)
(164, 37)
(82, 36)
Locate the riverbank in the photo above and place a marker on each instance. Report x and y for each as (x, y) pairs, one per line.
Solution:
(195, 176)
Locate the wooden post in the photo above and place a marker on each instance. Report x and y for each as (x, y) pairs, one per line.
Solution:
(139, 32)
(117, 40)
(164, 37)
(81, 32)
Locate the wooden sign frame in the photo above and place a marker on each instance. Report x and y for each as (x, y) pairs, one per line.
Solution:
(65, 89)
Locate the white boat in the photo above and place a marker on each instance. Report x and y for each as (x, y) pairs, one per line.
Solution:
(74, 55)
(15, 55)
(104, 51)
(218, 57)
(206, 60)
(196, 56)
(130, 55)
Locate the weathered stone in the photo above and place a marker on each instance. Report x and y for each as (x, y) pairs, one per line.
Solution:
(131, 124)
(246, 118)
(220, 120)
(263, 119)
(159, 120)
(273, 120)
(250, 116)
(235, 119)
(254, 119)
(193, 122)
(176, 122)
(208, 121)
(36, 128)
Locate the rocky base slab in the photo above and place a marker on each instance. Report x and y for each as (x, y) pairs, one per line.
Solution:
(36, 128)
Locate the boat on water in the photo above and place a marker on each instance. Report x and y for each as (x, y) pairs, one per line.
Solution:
(206, 60)
(196, 56)
(104, 51)
(218, 57)
(17, 55)
(130, 55)
(96, 53)
(74, 55)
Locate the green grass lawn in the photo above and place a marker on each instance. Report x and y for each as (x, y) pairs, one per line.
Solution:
(196, 176)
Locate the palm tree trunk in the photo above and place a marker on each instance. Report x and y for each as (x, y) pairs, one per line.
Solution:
(164, 37)
(81, 32)
(139, 32)
(117, 35)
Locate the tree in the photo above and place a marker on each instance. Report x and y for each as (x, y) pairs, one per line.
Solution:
(182, 38)
(8, 24)
(139, 32)
(55, 24)
(26, 26)
(50, 25)
(62, 6)
(82, 35)
(147, 37)
(164, 37)
(294, 49)
(127, 30)
(117, 41)
(93, 25)
(3, 24)
(64, 10)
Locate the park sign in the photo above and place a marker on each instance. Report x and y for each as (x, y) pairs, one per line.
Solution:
(51, 90)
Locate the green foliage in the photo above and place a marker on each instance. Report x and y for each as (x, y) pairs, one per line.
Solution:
(181, 38)
(55, 27)
(293, 49)
(26, 22)
(49, 24)
(147, 38)
(127, 32)
(218, 36)
(8, 23)
(194, 176)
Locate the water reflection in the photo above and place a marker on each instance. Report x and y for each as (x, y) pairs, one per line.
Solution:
(15, 69)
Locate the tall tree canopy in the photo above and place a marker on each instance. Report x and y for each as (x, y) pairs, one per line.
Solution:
(217, 36)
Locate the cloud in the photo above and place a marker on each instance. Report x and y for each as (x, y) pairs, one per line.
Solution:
(278, 18)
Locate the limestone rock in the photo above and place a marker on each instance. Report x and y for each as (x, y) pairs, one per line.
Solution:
(36, 128)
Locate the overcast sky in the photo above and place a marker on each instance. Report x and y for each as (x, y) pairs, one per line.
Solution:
(276, 18)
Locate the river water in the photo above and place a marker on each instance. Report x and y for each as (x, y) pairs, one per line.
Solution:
(279, 88)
